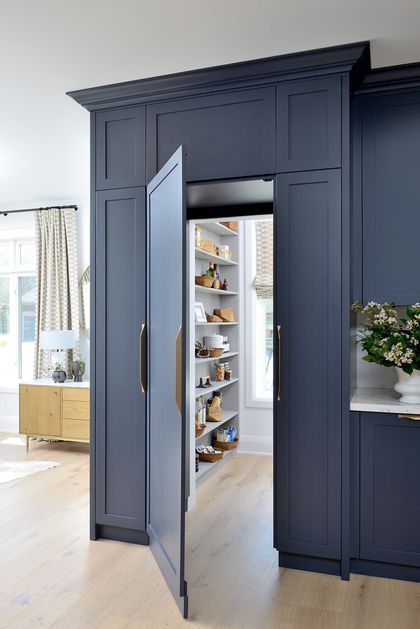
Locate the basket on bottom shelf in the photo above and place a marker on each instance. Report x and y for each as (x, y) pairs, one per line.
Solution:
(226, 438)
(209, 454)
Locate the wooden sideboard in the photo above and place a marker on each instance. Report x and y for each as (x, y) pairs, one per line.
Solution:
(52, 411)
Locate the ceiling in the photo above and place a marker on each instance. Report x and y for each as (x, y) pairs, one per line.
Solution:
(49, 47)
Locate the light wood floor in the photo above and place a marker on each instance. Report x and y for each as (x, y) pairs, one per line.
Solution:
(51, 575)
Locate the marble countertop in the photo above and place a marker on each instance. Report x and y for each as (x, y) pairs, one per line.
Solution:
(381, 401)
(49, 382)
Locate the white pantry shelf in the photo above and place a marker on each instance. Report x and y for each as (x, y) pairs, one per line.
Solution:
(215, 386)
(218, 228)
(215, 291)
(201, 254)
(199, 361)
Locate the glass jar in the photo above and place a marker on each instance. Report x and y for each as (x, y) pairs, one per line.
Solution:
(198, 237)
(219, 372)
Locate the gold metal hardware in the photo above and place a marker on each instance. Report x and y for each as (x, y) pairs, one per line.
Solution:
(142, 357)
(178, 370)
(415, 418)
(279, 364)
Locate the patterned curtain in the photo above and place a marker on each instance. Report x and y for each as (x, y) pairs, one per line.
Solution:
(264, 275)
(58, 295)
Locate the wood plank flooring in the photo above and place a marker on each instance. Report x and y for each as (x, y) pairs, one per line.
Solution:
(51, 575)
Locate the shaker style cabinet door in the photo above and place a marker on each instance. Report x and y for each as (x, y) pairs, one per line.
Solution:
(120, 422)
(308, 365)
(391, 198)
(390, 489)
(225, 135)
(166, 377)
(309, 125)
(120, 148)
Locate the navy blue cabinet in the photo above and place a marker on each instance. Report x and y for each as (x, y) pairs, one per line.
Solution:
(389, 489)
(120, 148)
(120, 423)
(309, 124)
(308, 398)
(391, 198)
(225, 135)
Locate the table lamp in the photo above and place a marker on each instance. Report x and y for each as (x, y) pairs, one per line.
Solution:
(57, 341)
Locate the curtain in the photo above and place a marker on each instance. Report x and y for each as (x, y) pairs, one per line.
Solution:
(264, 267)
(57, 287)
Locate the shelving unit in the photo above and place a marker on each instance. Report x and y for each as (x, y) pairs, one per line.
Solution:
(211, 299)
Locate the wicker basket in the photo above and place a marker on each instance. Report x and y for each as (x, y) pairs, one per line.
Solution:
(225, 445)
(210, 458)
(216, 351)
(199, 429)
(204, 280)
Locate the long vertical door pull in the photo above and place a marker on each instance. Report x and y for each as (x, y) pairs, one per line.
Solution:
(279, 363)
(142, 358)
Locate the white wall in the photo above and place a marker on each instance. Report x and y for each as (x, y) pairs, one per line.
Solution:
(9, 398)
(256, 421)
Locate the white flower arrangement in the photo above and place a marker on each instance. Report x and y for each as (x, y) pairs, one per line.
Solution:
(389, 340)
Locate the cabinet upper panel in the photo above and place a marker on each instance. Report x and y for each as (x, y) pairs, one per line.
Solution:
(120, 148)
(309, 124)
(226, 135)
(391, 198)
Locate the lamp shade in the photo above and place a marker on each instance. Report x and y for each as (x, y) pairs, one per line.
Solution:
(57, 339)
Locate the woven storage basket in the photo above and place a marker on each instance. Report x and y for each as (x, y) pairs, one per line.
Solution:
(199, 429)
(204, 280)
(225, 445)
(210, 458)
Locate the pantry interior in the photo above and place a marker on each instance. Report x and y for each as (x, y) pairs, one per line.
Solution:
(230, 358)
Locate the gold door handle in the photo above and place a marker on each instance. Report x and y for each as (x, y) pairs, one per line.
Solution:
(279, 363)
(415, 418)
(142, 358)
(178, 370)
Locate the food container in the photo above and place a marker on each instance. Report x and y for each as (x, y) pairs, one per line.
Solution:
(215, 352)
(225, 252)
(198, 238)
(214, 340)
(219, 372)
(228, 374)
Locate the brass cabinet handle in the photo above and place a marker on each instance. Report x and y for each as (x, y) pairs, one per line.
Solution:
(142, 358)
(178, 370)
(415, 418)
(279, 364)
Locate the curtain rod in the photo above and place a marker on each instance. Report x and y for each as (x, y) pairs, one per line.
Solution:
(36, 209)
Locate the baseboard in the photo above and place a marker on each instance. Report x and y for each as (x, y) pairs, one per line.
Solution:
(9, 423)
(119, 534)
(255, 444)
(387, 570)
(310, 564)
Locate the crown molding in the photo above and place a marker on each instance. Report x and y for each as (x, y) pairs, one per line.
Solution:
(391, 78)
(351, 58)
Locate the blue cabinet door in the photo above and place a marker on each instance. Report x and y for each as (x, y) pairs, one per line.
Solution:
(391, 198)
(120, 422)
(390, 489)
(309, 124)
(166, 303)
(308, 370)
(120, 148)
(225, 135)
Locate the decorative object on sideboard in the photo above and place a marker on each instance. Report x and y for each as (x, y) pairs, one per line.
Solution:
(78, 368)
(58, 374)
(393, 341)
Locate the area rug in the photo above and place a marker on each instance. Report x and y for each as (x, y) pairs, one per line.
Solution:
(11, 470)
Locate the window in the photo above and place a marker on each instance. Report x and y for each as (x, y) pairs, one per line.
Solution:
(17, 310)
(259, 308)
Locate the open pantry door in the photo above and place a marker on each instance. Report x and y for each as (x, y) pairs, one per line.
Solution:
(166, 242)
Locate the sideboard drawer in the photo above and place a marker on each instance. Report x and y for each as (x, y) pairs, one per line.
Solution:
(76, 410)
(75, 394)
(75, 429)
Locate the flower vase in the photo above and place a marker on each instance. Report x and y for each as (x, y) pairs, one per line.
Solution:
(408, 386)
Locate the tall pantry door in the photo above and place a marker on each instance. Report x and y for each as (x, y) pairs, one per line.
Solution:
(166, 242)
